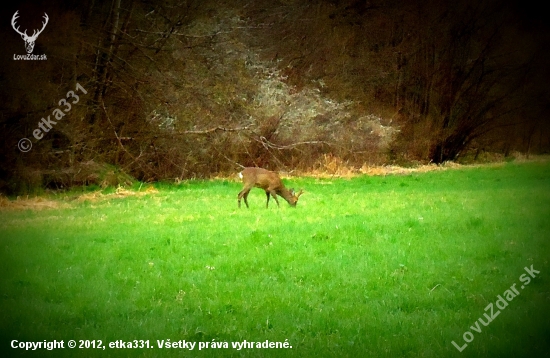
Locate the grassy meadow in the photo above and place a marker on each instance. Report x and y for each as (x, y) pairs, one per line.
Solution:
(394, 266)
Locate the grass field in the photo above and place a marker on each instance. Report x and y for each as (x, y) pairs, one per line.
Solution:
(364, 267)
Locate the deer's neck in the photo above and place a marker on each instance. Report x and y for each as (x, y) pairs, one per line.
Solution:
(285, 193)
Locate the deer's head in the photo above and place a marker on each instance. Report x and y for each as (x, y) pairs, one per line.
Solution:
(294, 197)
(29, 40)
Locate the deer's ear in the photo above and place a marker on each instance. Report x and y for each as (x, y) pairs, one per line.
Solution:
(291, 191)
(299, 193)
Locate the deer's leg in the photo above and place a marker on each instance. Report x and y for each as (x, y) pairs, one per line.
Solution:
(274, 195)
(267, 202)
(246, 198)
(239, 198)
(243, 193)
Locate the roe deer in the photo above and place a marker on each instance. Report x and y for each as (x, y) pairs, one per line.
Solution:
(268, 181)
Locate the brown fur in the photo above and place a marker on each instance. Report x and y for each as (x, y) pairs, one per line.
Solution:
(268, 181)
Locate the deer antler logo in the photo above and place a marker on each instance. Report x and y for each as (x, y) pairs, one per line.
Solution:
(29, 40)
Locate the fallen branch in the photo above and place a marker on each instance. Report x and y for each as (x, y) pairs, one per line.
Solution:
(268, 144)
(215, 129)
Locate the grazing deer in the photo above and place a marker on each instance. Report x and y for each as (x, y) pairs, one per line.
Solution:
(268, 181)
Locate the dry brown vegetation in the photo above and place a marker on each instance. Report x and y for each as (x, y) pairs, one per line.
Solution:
(39, 203)
(179, 90)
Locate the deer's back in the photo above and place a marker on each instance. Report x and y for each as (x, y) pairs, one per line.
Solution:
(262, 178)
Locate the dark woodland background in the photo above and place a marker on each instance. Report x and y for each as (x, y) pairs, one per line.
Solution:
(191, 89)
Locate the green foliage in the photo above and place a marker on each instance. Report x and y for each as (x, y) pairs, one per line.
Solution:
(370, 266)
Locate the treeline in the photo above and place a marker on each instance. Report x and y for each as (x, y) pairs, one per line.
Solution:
(188, 89)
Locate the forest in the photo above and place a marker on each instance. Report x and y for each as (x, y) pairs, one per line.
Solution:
(123, 90)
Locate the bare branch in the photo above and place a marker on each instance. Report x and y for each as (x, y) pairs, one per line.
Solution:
(268, 144)
(215, 129)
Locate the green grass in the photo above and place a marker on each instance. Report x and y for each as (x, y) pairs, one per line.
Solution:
(365, 267)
